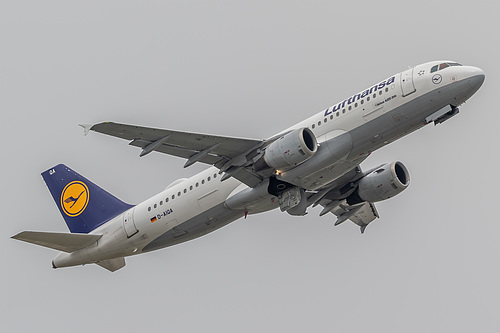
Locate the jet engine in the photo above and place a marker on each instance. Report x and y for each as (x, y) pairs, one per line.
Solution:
(289, 150)
(381, 184)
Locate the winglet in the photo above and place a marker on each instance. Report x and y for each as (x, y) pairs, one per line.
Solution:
(86, 128)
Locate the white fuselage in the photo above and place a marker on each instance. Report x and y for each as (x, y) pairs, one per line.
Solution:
(347, 133)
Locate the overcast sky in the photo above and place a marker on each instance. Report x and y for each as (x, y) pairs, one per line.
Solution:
(248, 69)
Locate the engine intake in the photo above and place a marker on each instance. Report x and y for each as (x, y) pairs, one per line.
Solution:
(288, 151)
(386, 182)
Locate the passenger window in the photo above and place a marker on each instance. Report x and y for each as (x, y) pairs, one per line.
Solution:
(173, 196)
(178, 194)
(161, 202)
(149, 209)
(215, 175)
(208, 178)
(155, 206)
(166, 200)
(191, 187)
(185, 190)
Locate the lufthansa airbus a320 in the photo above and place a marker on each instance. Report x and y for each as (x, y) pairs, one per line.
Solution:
(313, 163)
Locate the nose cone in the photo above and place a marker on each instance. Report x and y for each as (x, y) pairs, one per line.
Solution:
(475, 77)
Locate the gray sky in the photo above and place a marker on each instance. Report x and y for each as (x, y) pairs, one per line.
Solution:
(249, 69)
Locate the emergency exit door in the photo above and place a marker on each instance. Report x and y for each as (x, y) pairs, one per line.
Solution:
(128, 223)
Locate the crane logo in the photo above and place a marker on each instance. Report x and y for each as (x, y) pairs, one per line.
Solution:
(74, 198)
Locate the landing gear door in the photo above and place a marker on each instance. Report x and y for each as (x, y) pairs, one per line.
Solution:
(128, 223)
(407, 82)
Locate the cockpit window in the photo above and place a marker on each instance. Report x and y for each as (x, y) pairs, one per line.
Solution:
(443, 66)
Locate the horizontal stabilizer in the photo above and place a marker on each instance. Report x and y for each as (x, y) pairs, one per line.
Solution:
(58, 241)
(112, 265)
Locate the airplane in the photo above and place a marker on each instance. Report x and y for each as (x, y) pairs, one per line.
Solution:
(313, 163)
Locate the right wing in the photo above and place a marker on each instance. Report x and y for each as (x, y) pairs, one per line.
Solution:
(231, 155)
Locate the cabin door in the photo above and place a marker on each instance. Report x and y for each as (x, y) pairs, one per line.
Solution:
(407, 82)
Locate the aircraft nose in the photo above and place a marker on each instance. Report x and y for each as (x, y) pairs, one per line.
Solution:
(475, 76)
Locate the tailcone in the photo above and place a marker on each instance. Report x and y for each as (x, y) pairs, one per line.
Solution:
(68, 259)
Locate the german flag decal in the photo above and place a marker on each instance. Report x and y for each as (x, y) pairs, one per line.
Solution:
(153, 219)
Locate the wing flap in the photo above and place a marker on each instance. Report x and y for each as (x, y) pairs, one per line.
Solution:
(362, 214)
(178, 151)
(367, 213)
(58, 241)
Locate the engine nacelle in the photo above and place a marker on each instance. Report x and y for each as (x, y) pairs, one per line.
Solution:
(289, 150)
(383, 183)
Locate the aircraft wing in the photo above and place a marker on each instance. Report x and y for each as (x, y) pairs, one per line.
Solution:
(332, 199)
(231, 155)
(361, 215)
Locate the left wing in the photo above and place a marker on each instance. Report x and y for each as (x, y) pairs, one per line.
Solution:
(361, 215)
(231, 155)
(332, 199)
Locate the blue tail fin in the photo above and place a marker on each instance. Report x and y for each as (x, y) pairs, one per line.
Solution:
(83, 204)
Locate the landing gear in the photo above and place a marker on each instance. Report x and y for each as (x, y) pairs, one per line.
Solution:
(289, 198)
(453, 112)
(442, 115)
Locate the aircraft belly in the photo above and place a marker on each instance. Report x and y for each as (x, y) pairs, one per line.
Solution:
(397, 122)
(202, 224)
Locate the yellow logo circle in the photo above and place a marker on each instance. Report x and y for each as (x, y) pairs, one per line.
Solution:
(74, 198)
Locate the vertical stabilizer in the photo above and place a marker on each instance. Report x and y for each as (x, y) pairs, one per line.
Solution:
(83, 205)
